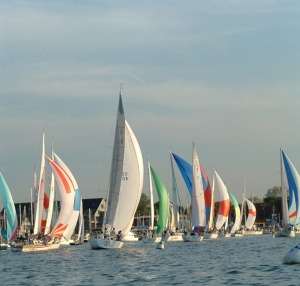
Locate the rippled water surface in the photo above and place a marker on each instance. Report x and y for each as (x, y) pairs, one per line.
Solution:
(255, 260)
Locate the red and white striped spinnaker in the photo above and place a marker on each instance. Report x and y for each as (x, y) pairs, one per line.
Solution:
(67, 194)
(224, 203)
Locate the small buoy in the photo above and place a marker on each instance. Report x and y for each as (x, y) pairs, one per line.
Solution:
(293, 256)
(160, 245)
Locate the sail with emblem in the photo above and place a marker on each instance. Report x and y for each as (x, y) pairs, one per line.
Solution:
(67, 194)
(126, 177)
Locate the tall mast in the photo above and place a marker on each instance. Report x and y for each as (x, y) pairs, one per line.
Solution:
(174, 194)
(151, 196)
(211, 215)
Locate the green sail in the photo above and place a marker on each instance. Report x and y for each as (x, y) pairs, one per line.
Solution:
(163, 202)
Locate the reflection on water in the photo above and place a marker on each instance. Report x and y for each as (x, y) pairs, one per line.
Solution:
(232, 261)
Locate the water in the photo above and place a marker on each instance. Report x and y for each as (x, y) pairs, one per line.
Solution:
(255, 260)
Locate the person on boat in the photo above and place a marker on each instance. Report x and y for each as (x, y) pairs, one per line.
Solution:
(119, 236)
(101, 236)
(44, 240)
(112, 233)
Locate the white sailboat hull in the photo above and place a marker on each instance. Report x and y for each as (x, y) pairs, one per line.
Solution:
(172, 238)
(104, 244)
(34, 247)
(192, 238)
(151, 239)
(3, 246)
(285, 233)
(225, 235)
(253, 232)
(210, 235)
(130, 237)
(239, 234)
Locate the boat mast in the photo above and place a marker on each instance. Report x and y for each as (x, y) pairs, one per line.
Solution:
(151, 196)
(211, 215)
(174, 194)
(31, 210)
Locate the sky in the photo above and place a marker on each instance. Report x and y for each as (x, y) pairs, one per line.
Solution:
(223, 74)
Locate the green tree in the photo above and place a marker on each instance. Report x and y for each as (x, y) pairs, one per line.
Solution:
(144, 205)
(274, 192)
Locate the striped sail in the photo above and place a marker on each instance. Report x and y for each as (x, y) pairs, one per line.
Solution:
(126, 176)
(67, 195)
(237, 222)
(251, 214)
(293, 179)
(186, 171)
(74, 217)
(10, 211)
(163, 202)
(224, 203)
(198, 202)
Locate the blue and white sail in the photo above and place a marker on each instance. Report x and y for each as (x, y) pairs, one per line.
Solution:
(11, 215)
(293, 179)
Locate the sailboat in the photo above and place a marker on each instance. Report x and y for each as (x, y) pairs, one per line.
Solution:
(163, 203)
(150, 236)
(235, 230)
(186, 171)
(125, 183)
(80, 235)
(224, 207)
(67, 187)
(293, 181)
(198, 202)
(250, 230)
(174, 234)
(11, 215)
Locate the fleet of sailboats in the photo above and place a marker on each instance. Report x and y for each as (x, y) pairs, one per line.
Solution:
(123, 195)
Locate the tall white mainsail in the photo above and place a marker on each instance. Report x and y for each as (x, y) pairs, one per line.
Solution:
(198, 203)
(285, 215)
(126, 176)
(40, 211)
(51, 198)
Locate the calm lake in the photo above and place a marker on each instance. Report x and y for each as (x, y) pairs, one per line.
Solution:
(255, 260)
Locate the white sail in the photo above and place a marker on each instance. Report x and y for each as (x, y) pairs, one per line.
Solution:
(76, 204)
(126, 176)
(81, 224)
(198, 203)
(285, 215)
(40, 211)
(151, 197)
(51, 199)
(224, 203)
(67, 194)
(251, 215)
